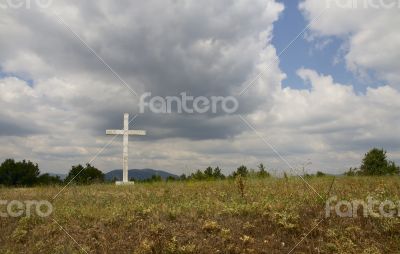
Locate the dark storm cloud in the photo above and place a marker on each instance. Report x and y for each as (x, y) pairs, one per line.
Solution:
(180, 49)
(12, 127)
(190, 127)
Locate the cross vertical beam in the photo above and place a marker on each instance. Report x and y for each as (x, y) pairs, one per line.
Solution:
(125, 167)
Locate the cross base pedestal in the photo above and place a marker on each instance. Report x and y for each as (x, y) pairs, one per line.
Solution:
(124, 183)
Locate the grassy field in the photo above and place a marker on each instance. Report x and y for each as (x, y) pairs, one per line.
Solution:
(273, 216)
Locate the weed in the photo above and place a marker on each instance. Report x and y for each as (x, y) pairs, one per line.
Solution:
(240, 185)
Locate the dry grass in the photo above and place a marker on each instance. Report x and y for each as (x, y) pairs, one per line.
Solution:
(272, 216)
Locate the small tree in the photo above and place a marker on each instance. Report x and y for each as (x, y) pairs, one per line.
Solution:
(85, 175)
(208, 173)
(217, 174)
(22, 173)
(199, 175)
(262, 172)
(375, 163)
(242, 171)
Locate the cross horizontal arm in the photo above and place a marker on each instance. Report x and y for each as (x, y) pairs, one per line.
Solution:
(114, 132)
(129, 132)
(137, 132)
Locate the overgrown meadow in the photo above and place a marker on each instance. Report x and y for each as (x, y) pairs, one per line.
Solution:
(252, 216)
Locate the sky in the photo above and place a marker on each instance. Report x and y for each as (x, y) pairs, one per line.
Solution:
(328, 90)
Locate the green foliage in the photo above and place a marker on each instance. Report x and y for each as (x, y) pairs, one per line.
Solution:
(171, 179)
(320, 174)
(242, 171)
(156, 178)
(392, 168)
(208, 173)
(375, 163)
(217, 174)
(22, 173)
(262, 172)
(47, 179)
(85, 175)
(198, 175)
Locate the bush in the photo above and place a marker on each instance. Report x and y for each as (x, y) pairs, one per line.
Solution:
(198, 175)
(217, 173)
(23, 173)
(47, 179)
(375, 163)
(208, 173)
(85, 175)
(242, 171)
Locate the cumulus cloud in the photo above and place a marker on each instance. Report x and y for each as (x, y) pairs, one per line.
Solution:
(329, 122)
(368, 30)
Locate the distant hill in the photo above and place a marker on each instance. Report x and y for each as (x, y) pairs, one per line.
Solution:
(138, 174)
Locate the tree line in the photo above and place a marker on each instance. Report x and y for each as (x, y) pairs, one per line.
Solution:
(210, 173)
(27, 173)
(216, 174)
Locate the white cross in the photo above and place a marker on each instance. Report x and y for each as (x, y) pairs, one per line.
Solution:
(125, 132)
